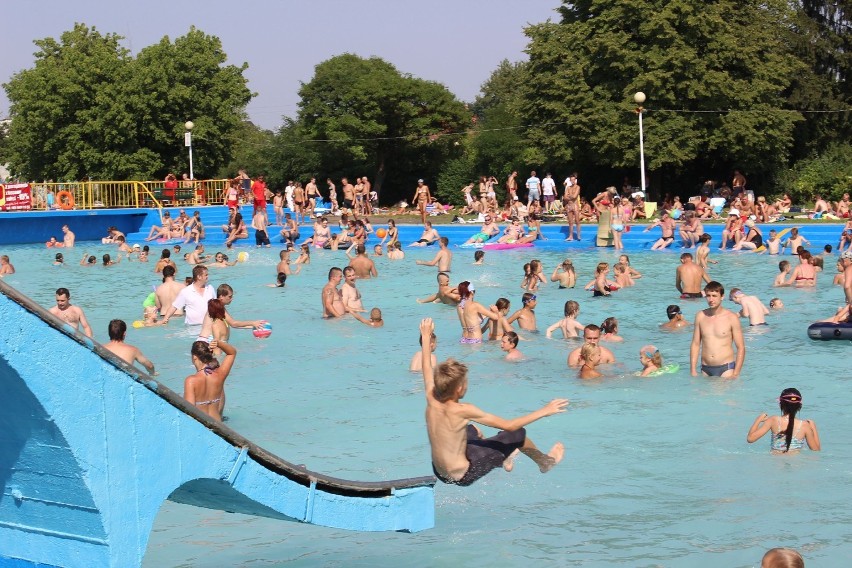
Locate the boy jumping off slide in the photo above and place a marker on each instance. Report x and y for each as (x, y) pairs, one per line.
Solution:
(460, 454)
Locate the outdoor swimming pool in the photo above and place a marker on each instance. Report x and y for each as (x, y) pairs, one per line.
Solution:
(657, 471)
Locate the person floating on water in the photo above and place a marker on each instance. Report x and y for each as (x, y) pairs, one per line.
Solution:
(460, 453)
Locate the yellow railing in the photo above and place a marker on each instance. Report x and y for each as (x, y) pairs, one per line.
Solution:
(124, 194)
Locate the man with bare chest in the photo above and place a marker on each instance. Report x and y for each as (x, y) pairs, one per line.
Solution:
(717, 333)
(72, 315)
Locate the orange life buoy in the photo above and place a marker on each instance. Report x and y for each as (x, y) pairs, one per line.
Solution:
(65, 199)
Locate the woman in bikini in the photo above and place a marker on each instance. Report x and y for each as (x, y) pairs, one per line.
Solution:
(472, 314)
(422, 197)
(804, 275)
(788, 433)
(206, 388)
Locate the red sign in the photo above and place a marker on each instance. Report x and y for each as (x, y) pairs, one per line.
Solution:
(15, 197)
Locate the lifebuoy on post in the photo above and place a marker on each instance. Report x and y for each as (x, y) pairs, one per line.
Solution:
(65, 199)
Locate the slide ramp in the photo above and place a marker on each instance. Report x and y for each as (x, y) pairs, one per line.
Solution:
(90, 448)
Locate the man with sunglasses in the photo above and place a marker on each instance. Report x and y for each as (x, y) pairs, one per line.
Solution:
(489, 230)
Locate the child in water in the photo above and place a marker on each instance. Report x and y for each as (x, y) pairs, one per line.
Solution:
(526, 315)
(788, 433)
(569, 325)
(651, 359)
(591, 355)
(784, 269)
(416, 364)
(600, 284)
(509, 344)
(609, 330)
(460, 454)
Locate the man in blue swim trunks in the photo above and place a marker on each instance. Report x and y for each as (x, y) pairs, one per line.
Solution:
(716, 330)
(460, 454)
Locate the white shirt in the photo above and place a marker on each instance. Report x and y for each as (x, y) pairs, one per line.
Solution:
(193, 304)
(548, 185)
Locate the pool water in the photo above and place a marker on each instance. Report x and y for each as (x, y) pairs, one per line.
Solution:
(657, 470)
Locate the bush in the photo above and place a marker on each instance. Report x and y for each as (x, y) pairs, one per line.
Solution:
(455, 174)
(829, 174)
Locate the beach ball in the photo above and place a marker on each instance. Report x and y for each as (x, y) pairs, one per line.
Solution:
(381, 233)
(242, 257)
(263, 332)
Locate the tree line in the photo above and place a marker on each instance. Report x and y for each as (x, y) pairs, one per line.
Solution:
(759, 86)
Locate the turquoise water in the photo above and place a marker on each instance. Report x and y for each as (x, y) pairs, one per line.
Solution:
(657, 471)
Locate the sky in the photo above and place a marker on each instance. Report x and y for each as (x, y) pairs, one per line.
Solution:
(455, 42)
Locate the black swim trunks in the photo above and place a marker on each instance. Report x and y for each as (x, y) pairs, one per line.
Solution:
(486, 454)
(690, 295)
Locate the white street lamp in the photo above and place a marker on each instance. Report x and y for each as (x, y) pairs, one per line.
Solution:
(639, 99)
(187, 141)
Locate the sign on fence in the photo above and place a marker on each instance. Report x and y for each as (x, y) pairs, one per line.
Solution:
(15, 197)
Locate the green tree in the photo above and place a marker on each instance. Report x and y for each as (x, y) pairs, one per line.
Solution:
(88, 109)
(250, 150)
(68, 119)
(371, 118)
(188, 80)
(690, 57)
(820, 37)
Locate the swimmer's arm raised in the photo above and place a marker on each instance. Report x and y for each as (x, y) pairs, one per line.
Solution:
(427, 327)
(759, 428)
(471, 412)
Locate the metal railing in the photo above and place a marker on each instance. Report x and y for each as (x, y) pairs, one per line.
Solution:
(125, 194)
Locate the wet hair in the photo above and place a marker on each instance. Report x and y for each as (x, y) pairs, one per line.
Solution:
(91, 259)
(535, 265)
(166, 253)
(774, 302)
(216, 309)
(527, 298)
(238, 218)
(705, 238)
(714, 286)
(806, 256)
(478, 255)
(655, 356)
(224, 290)
(201, 350)
(513, 338)
(376, 314)
(116, 330)
(502, 304)
(527, 269)
(450, 375)
(602, 267)
(672, 311)
(281, 279)
(420, 338)
(198, 271)
(146, 248)
(398, 246)
(464, 289)
(572, 308)
(620, 268)
(610, 325)
(782, 558)
(790, 402)
(106, 259)
(59, 257)
(586, 350)
(686, 255)
(783, 265)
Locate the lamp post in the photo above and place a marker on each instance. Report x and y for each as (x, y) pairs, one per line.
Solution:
(639, 99)
(187, 141)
